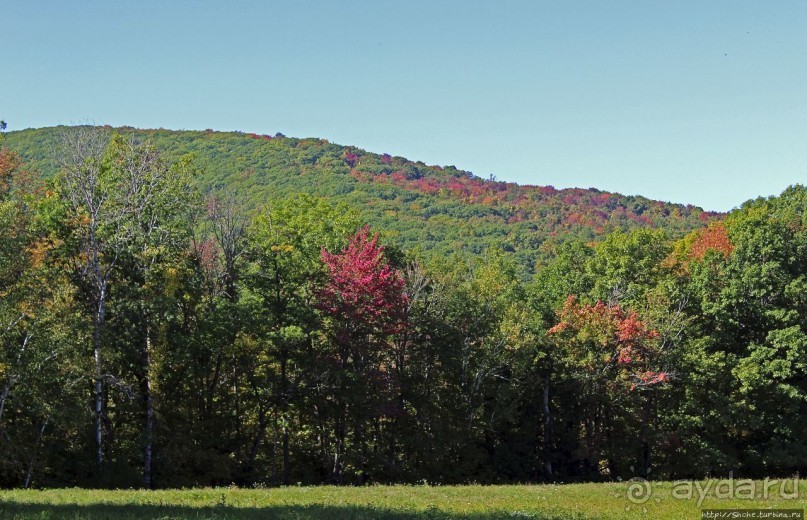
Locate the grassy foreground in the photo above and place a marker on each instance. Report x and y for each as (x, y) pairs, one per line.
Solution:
(395, 502)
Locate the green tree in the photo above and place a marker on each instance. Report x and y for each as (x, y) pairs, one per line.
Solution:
(119, 194)
(157, 234)
(286, 241)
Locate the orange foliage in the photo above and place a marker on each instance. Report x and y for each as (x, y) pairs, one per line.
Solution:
(10, 163)
(713, 237)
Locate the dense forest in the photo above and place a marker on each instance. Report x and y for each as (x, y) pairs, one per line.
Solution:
(233, 316)
(432, 209)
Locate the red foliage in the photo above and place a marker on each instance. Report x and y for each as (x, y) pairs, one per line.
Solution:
(601, 199)
(651, 378)
(363, 290)
(633, 336)
(360, 176)
(351, 158)
(427, 185)
(398, 177)
(207, 253)
(626, 339)
(549, 208)
(713, 237)
(575, 218)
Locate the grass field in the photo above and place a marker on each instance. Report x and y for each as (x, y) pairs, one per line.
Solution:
(398, 502)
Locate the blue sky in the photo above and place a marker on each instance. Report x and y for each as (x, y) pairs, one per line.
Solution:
(701, 102)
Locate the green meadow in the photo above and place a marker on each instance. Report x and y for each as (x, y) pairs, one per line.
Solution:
(666, 501)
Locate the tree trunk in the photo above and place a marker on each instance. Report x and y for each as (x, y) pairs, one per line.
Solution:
(284, 408)
(99, 389)
(256, 443)
(644, 441)
(609, 443)
(361, 450)
(285, 454)
(29, 474)
(4, 395)
(149, 428)
(339, 448)
(547, 429)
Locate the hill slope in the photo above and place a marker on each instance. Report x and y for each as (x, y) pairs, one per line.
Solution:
(432, 208)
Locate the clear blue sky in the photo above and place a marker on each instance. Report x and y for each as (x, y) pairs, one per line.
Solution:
(702, 102)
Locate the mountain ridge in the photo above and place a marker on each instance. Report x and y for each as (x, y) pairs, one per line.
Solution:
(433, 208)
(492, 177)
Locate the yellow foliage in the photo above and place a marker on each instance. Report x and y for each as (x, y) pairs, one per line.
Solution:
(285, 248)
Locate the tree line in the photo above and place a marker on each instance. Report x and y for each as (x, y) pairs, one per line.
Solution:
(153, 335)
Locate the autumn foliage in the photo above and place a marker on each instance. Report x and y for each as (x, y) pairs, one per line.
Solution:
(362, 287)
(290, 348)
(15, 175)
(714, 238)
(350, 158)
(609, 335)
(10, 162)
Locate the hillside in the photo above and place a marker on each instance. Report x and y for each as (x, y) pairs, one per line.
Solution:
(141, 351)
(432, 208)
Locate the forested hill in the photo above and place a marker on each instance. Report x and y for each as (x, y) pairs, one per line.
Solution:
(430, 208)
(151, 339)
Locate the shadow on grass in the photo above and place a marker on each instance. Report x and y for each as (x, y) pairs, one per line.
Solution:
(291, 512)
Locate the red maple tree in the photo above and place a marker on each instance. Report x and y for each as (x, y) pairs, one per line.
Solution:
(363, 290)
